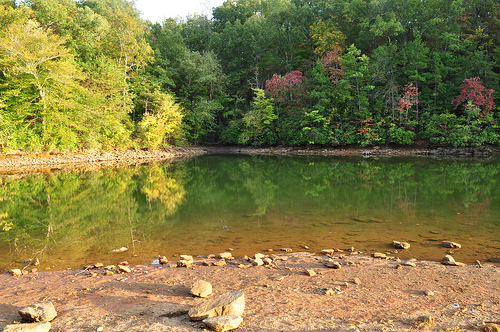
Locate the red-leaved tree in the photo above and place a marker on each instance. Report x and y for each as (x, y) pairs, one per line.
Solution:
(285, 88)
(475, 92)
(332, 64)
(409, 99)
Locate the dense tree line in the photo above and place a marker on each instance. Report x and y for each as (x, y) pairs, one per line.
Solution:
(92, 74)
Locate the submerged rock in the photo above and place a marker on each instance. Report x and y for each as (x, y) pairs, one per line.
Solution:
(450, 244)
(401, 245)
(232, 303)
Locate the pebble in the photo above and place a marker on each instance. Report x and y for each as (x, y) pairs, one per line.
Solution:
(356, 281)
(310, 272)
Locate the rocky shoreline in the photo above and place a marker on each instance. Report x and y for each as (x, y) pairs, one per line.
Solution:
(86, 160)
(276, 292)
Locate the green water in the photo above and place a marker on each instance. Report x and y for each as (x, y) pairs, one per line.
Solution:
(251, 204)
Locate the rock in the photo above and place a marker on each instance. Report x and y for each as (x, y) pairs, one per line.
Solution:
(424, 322)
(39, 312)
(258, 262)
(16, 272)
(286, 249)
(186, 257)
(494, 259)
(232, 303)
(401, 245)
(379, 255)
(259, 255)
(223, 323)
(310, 273)
(449, 260)
(124, 269)
(201, 288)
(329, 292)
(356, 281)
(162, 260)
(110, 267)
(225, 255)
(327, 251)
(220, 263)
(411, 262)
(98, 265)
(332, 264)
(122, 249)
(428, 292)
(267, 261)
(352, 329)
(36, 262)
(450, 244)
(184, 263)
(492, 328)
(30, 327)
(124, 263)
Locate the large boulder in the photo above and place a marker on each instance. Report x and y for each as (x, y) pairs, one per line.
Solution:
(232, 303)
(39, 312)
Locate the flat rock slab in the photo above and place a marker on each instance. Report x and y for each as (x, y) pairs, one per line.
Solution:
(232, 303)
(38, 312)
(30, 327)
(223, 323)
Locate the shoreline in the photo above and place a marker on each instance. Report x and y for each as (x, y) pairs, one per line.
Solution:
(88, 160)
(366, 294)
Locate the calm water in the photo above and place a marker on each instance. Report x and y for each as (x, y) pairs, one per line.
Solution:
(251, 204)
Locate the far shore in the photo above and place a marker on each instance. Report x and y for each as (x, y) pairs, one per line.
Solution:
(15, 162)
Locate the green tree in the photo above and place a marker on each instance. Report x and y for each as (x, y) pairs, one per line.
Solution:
(34, 59)
(162, 124)
(259, 121)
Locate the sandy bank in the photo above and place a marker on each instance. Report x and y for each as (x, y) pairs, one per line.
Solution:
(386, 297)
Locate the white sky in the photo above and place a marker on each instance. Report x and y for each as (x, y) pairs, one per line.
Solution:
(158, 10)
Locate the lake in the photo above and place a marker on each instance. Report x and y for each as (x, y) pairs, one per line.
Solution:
(250, 204)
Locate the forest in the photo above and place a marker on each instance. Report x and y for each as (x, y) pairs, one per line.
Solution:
(91, 74)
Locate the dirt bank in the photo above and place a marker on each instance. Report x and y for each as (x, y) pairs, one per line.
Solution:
(386, 297)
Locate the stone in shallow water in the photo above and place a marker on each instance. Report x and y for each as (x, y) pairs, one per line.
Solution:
(38, 312)
(232, 303)
(401, 245)
(223, 323)
(30, 327)
(450, 244)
